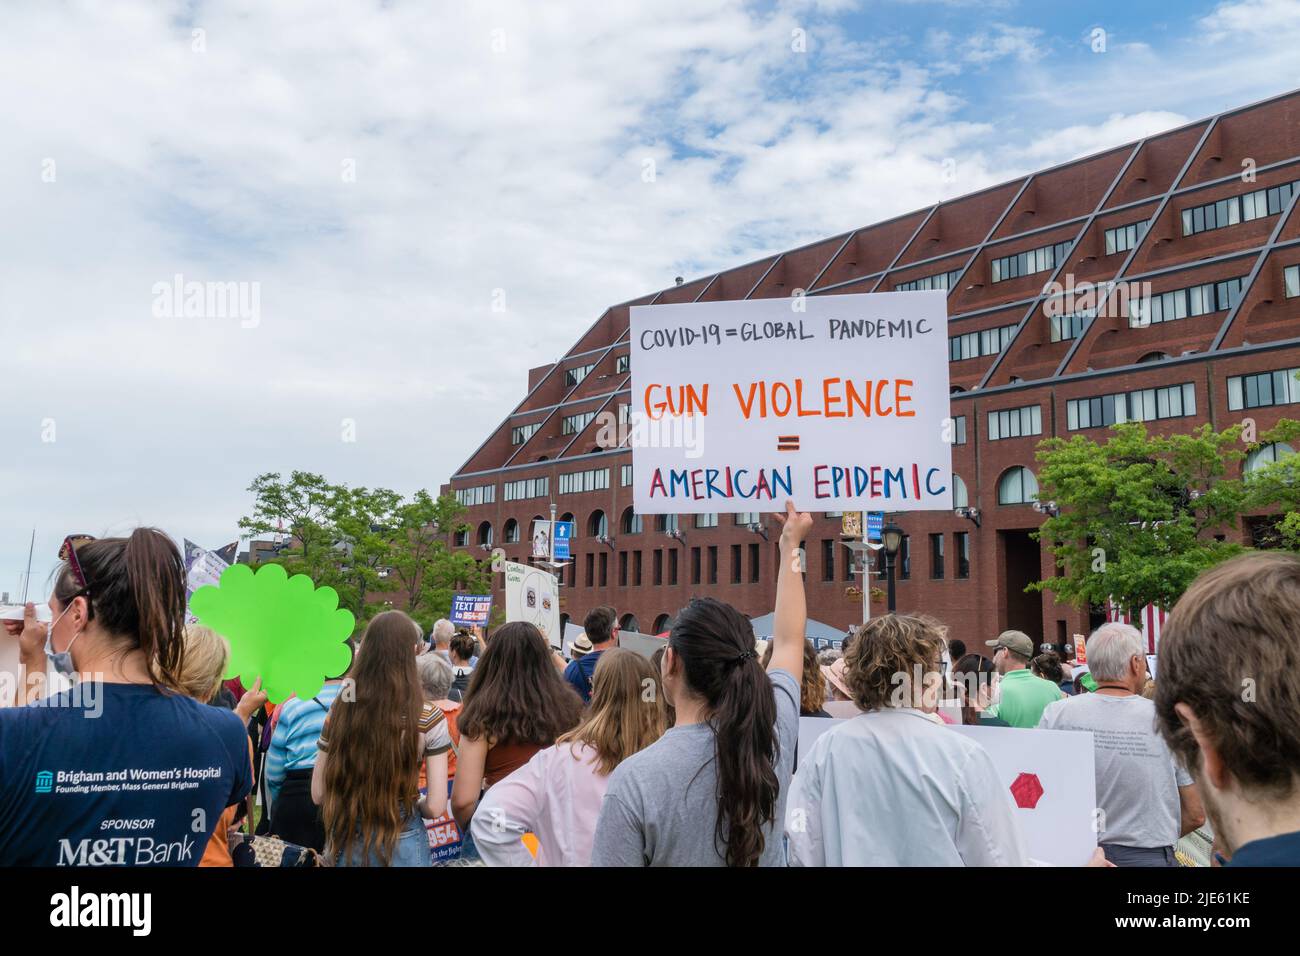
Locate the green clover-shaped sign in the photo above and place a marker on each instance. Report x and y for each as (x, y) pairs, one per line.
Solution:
(282, 629)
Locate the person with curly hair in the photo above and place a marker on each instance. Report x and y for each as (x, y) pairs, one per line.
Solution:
(893, 786)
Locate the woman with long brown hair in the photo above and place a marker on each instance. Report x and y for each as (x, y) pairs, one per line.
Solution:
(146, 782)
(730, 755)
(557, 794)
(366, 774)
(516, 704)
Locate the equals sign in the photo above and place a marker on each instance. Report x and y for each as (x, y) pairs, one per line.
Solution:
(787, 442)
(731, 332)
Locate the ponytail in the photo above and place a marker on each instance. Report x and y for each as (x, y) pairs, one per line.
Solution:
(715, 644)
(136, 589)
(155, 574)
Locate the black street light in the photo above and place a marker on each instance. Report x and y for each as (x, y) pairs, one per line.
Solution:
(891, 536)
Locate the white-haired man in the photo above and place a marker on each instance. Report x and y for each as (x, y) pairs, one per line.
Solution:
(443, 629)
(1145, 799)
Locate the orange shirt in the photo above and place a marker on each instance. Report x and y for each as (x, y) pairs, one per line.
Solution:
(217, 852)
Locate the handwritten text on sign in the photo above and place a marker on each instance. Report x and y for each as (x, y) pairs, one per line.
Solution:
(839, 402)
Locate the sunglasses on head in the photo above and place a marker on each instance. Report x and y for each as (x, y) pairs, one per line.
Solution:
(68, 553)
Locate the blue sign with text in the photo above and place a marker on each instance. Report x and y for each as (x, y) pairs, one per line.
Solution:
(563, 535)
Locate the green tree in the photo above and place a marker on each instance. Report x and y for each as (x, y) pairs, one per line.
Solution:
(423, 567)
(1137, 512)
(1275, 486)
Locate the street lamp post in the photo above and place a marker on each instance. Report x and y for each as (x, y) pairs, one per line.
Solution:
(891, 537)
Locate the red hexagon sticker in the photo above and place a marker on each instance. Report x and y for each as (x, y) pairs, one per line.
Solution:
(1027, 791)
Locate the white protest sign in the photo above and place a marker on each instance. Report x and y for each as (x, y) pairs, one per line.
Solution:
(839, 402)
(643, 644)
(532, 595)
(1050, 780)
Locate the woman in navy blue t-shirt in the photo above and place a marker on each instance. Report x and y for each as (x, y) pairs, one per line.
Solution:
(119, 769)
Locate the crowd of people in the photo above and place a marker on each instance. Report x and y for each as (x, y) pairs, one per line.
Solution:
(516, 756)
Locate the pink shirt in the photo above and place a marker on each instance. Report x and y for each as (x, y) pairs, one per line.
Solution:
(556, 796)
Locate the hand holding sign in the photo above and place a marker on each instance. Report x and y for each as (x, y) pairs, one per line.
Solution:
(284, 630)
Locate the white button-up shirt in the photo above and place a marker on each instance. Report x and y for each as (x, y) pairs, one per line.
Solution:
(893, 788)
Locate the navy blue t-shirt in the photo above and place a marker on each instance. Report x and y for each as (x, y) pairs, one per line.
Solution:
(117, 775)
(579, 674)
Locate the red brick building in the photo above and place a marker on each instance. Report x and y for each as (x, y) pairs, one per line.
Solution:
(1196, 225)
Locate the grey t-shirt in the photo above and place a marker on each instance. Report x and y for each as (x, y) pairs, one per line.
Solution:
(1137, 776)
(661, 805)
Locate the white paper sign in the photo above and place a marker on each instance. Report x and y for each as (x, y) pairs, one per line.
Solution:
(838, 402)
(532, 595)
(643, 644)
(1053, 771)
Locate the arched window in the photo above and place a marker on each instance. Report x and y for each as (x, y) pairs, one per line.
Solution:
(960, 499)
(1153, 357)
(543, 458)
(1265, 455)
(512, 531)
(631, 523)
(1017, 486)
(597, 526)
(663, 623)
(955, 389)
(666, 523)
(628, 622)
(567, 516)
(485, 533)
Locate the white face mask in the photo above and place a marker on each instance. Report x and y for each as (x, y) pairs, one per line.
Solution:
(62, 660)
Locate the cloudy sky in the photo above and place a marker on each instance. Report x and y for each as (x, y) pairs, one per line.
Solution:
(382, 172)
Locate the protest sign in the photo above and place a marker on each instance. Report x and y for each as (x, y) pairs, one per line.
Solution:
(202, 567)
(532, 595)
(563, 535)
(1049, 779)
(839, 402)
(282, 629)
(542, 539)
(442, 832)
(471, 610)
(643, 644)
(810, 728)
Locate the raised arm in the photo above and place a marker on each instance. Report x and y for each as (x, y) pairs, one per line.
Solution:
(791, 620)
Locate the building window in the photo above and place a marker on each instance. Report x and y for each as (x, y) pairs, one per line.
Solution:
(1041, 259)
(828, 559)
(1266, 455)
(575, 482)
(1144, 405)
(936, 556)
(521, 433)
(666, 523)
(478, 495)
(604, 568)
(1151, 357)
(485, 533)
(706, 520)
(1124, 238)
(905, 558)
(713, 564)
(512, 531)
(963, 553)
(1015, 422)
(1072, 326)
(591, 565)
(622, 569)
(625, 475)
(622, 364)
(461, 538)
(576, 374)
(976, 344)
(695, 565)
(527, 488)
(960, 498)
(944, 280)
(659, 566)
(753, 563)
(1235, 209)
(1264, 389)
(1184, 303)
(1291, 275)
(1017, 486)
(598, 525)
(672, 566)
(636, 569)
(959, 430)
(631, 523)
(736, 571)
(745, 518)
(572, 424)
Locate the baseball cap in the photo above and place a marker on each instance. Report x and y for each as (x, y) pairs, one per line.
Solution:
(1017, 641)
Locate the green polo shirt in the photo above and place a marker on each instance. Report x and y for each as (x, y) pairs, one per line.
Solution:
(1023, 698)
